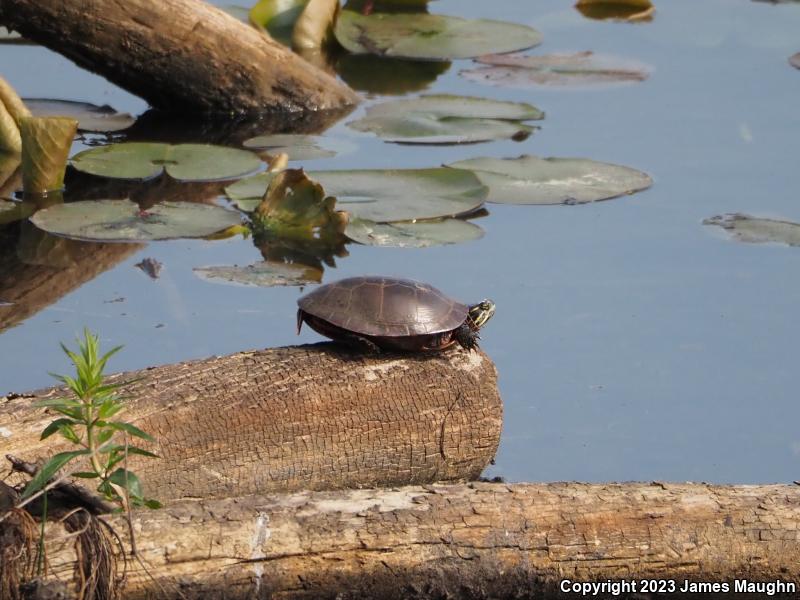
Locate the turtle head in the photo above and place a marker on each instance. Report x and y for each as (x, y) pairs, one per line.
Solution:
(480, 313)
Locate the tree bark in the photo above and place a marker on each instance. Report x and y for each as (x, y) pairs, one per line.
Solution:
(180, 55)
(308, 417)
(462, 541)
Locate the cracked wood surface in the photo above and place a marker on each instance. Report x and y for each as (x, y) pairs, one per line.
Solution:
(180, 55)
(475, 540)
(301, 417)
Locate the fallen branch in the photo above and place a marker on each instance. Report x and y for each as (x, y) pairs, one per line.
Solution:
(283, 419)
(462, 541)
(180, 55)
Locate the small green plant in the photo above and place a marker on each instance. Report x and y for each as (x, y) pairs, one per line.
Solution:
(87, 423)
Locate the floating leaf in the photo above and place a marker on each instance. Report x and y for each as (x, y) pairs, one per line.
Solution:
(616, 10)
(184, 162)
(755, 230)
(532, 180)
(431, 37)
(262, 274)
(794, 60)
(91, 117)
(296, 207)
(123, 221)
(384, 195)
(447, 119)
(410, 234)
(298, 147)
(582, 69)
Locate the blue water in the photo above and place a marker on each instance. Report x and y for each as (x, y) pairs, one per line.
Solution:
(632, 342)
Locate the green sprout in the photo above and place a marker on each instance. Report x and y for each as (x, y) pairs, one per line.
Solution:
(87, 423)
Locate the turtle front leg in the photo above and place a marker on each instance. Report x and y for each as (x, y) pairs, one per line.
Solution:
(467, 337)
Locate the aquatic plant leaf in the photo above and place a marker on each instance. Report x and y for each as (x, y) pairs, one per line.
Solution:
(294, 206)
(582, 69)
(756, 230)
(447, 119)
(384, 195)
(794, 60)
(413, 234)
(184, 162)
(616, 10)
(533, 180)
(101, 119)
(297, 146)
(431, 37)
(262, 274)
(123, 221)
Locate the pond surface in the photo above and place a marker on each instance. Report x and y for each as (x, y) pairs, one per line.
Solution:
(632, 342)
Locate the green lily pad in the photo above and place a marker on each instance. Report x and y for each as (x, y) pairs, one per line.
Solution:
(447, 119)
(533, 180)
(413, 234)
(582, 69)
(755, 230)
(124, 221)
(298, 147)
(794, 60)
(262, 274)
(383, 196)
(184, 162)
(90, 117)
(431, 37)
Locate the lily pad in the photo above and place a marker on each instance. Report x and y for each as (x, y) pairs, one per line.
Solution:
(298, 147)
(262, 274)
(101, 119)
(413, 234)
(184, 162)
(430, 37)
(755, 230)
(383, 196)
(124, 221)
(616, 10)
(794, 60)
(447, 119)
(582, 69)
(533, 180)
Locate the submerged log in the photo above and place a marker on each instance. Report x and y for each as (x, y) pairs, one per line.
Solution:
(180, 55)
(308, 417)
(462, 541)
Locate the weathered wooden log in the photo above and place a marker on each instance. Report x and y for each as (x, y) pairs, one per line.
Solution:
(179, 55)
(308, 417)
(463, 541)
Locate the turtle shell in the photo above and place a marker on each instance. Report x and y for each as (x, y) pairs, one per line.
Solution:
(384, 307)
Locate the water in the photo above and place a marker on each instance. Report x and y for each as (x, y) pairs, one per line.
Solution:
(632, 342)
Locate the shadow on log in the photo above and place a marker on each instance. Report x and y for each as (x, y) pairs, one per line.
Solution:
(462, 541)
(307, 417)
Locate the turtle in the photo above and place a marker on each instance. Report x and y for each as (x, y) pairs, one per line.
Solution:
(375, 313)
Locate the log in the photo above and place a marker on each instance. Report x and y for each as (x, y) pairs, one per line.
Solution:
(307, 417)
(477, 540)
(179, 55)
